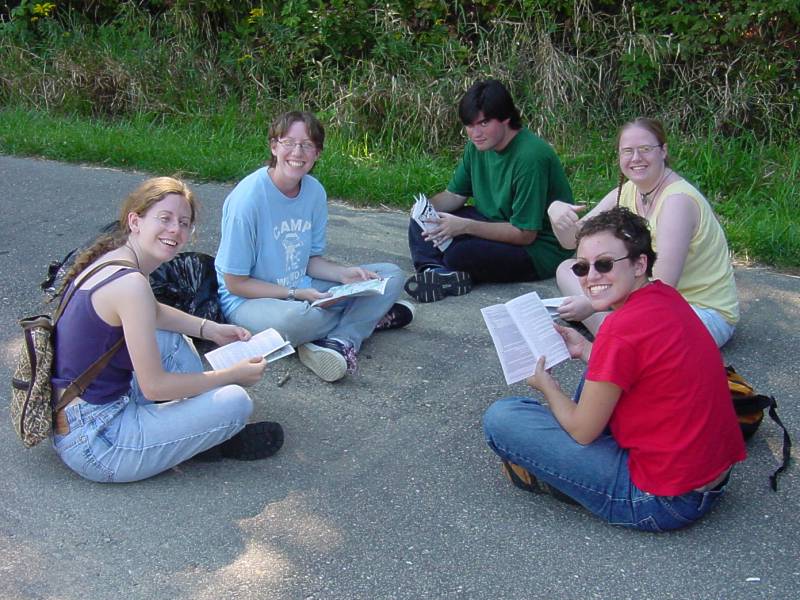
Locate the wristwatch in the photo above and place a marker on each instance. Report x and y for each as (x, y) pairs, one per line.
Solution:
(291, 295)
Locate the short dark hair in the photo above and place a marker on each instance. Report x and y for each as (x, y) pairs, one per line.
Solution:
(633, 230)
(281, 125)
(491, 98)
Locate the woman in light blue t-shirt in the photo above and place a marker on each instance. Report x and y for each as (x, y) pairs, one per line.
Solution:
(270, 263)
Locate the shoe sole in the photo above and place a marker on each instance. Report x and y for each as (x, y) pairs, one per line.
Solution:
(431, 286)
(325, 363)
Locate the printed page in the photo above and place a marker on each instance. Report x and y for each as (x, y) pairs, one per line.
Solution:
(536, 326)
(422, 212)
(359, 288)
(552, 304)
(268, 344)
(516, 358)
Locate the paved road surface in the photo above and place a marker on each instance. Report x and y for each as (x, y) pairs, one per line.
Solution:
(385, 488)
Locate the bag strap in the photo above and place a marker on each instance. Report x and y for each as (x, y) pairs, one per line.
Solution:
(787, 446)
(79, 385)
(84, 278)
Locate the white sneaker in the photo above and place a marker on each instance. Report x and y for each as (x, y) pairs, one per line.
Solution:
(326, 363)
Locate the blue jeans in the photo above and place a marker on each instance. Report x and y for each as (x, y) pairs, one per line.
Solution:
(524, 432)
(484, 260)
(133, 438)
(351, 321)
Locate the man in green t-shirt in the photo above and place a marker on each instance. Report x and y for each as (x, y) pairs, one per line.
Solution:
(512, 176)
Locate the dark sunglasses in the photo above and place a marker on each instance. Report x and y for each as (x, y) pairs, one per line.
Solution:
(603, 265)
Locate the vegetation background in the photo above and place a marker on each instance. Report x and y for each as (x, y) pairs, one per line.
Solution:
(189, 87)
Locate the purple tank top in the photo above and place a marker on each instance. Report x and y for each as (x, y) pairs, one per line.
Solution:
(81, 337)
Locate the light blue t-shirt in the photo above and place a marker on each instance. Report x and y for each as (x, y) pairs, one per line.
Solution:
(269, 236)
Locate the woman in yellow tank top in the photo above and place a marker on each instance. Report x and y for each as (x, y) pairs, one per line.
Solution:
(690, 243)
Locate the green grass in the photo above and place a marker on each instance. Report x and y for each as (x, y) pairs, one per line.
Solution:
(751, 184)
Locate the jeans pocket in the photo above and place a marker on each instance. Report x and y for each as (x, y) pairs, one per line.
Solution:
(104, 424)
(80, 458)
(648, 524)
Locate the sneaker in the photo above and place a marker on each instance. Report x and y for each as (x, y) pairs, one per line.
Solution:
(523, 479)
(400, 315)
(255, 441)
(330, 360)
(434, 284)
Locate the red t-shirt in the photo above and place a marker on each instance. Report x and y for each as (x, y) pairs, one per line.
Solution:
(675, 415)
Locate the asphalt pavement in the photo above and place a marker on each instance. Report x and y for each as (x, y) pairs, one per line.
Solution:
(385, 487)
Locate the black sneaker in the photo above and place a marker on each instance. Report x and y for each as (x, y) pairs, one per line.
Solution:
(434, 284)
(255, 441)
(400, 315)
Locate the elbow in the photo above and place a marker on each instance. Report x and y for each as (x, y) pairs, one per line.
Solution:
(234, 284)
(152, 391)
(584, 438)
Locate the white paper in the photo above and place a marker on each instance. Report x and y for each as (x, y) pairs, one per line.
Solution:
(358, 288)
(268, 344)
(423, 213)
(552, 304)
(522, 331)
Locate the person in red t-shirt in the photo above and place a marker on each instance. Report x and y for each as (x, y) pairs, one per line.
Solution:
(651, 437)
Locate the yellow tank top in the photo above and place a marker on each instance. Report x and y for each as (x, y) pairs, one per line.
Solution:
(707, 278)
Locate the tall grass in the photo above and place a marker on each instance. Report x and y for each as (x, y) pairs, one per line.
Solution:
(178, 88)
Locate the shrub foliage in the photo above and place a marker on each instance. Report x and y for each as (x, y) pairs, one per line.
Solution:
(392, 70)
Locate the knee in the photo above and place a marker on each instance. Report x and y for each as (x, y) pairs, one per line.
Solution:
(565, 278)
(235, 403)
(500, 418)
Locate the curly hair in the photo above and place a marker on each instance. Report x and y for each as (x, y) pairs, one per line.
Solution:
(624, 225)
(139, 201)
(280, 126)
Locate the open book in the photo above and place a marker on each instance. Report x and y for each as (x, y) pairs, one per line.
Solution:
(522, 331)
(348, 290)
(423, 212)
(268, 344)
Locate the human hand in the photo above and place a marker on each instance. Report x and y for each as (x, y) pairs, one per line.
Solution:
(575, 308)
(249, 371)
(447, 226)
(310, 294)
(541, 379)
(354, 274)
(563, 216)
(222, 334)
(577, 345)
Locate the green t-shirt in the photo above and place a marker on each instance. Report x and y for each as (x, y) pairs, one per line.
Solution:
(516, 185)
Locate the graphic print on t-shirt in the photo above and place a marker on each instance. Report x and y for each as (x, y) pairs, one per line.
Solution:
(289, 235)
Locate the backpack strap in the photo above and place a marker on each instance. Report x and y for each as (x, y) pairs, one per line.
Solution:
(79, 385)
(84, 278)
(787, 446)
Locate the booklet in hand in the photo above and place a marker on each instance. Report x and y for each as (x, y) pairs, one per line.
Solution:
(349, 290)
(268, 344)
(522, 331)
(424, 213)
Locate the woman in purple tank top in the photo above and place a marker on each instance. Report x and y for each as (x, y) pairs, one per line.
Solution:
(153, 406)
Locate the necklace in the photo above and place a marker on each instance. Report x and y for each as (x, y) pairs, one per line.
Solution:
(646, 195)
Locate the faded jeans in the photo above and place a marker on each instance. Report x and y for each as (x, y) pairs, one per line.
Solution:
(524, 432)
(350, 321)
(132, 438)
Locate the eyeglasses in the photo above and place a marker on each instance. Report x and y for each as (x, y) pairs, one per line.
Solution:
(602, 265)
(643, 150)
(183, 224)
(291, 144)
